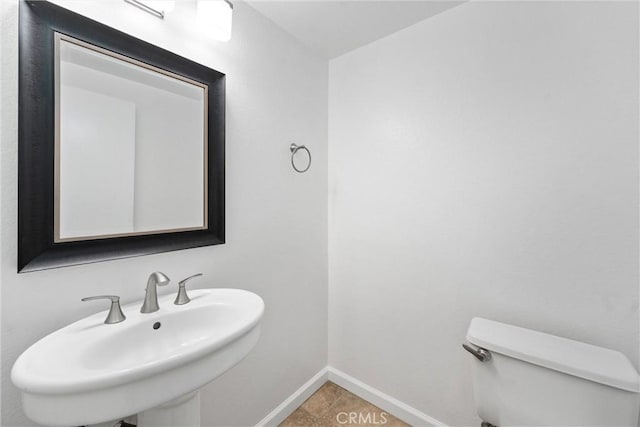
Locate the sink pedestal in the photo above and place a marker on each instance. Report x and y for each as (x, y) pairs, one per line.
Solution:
(183, 411)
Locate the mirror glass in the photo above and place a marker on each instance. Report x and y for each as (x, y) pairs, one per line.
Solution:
(131, 141)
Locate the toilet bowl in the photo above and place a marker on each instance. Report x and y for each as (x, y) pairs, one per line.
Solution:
(523, 377)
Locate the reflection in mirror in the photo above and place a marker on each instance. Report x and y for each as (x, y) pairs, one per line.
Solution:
(131, 145)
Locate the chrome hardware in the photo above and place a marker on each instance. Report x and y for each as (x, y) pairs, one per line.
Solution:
(294, 149)
(150, 303)
(115, 312)
(155, 12)
(182, 297)
(480, 353)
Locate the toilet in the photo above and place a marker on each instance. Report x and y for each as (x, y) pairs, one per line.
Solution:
(523, 377)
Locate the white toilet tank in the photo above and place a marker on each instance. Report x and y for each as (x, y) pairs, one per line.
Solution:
(537, 379)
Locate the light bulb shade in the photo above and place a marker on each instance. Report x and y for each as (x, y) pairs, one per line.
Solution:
(162, 5)
(214, 18)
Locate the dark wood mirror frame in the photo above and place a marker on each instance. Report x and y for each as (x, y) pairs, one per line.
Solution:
(36, 126)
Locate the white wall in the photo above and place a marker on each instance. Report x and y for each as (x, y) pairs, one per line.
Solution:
(483, 162)
(276, 219)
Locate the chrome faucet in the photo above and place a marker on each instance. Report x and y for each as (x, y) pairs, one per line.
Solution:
(151, 296)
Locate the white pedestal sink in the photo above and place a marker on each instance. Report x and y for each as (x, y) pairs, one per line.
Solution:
(151, 364)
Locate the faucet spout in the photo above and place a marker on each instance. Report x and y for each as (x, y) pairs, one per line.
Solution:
(150, 303)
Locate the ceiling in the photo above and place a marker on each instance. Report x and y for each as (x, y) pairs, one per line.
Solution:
(334, 27)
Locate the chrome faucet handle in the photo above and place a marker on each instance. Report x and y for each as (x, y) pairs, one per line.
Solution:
(182, 297)
(115, 312)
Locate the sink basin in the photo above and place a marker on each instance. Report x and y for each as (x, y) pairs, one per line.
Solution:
(90, 372)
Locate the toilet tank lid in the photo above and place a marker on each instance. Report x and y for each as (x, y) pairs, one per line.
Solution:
(576, 358)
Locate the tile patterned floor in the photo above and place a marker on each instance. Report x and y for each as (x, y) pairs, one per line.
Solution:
(333, 406)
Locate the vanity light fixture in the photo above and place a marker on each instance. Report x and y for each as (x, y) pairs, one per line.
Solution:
(214, 18)
(163, 5)
(155, 7)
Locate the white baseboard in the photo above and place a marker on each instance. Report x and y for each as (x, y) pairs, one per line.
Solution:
(291, 403)
(383, 401)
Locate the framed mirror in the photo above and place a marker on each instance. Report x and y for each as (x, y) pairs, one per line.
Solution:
(121, 144)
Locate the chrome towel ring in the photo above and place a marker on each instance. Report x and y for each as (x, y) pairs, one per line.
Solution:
(294, 149)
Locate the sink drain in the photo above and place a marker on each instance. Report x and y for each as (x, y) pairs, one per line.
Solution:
(157, 325)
